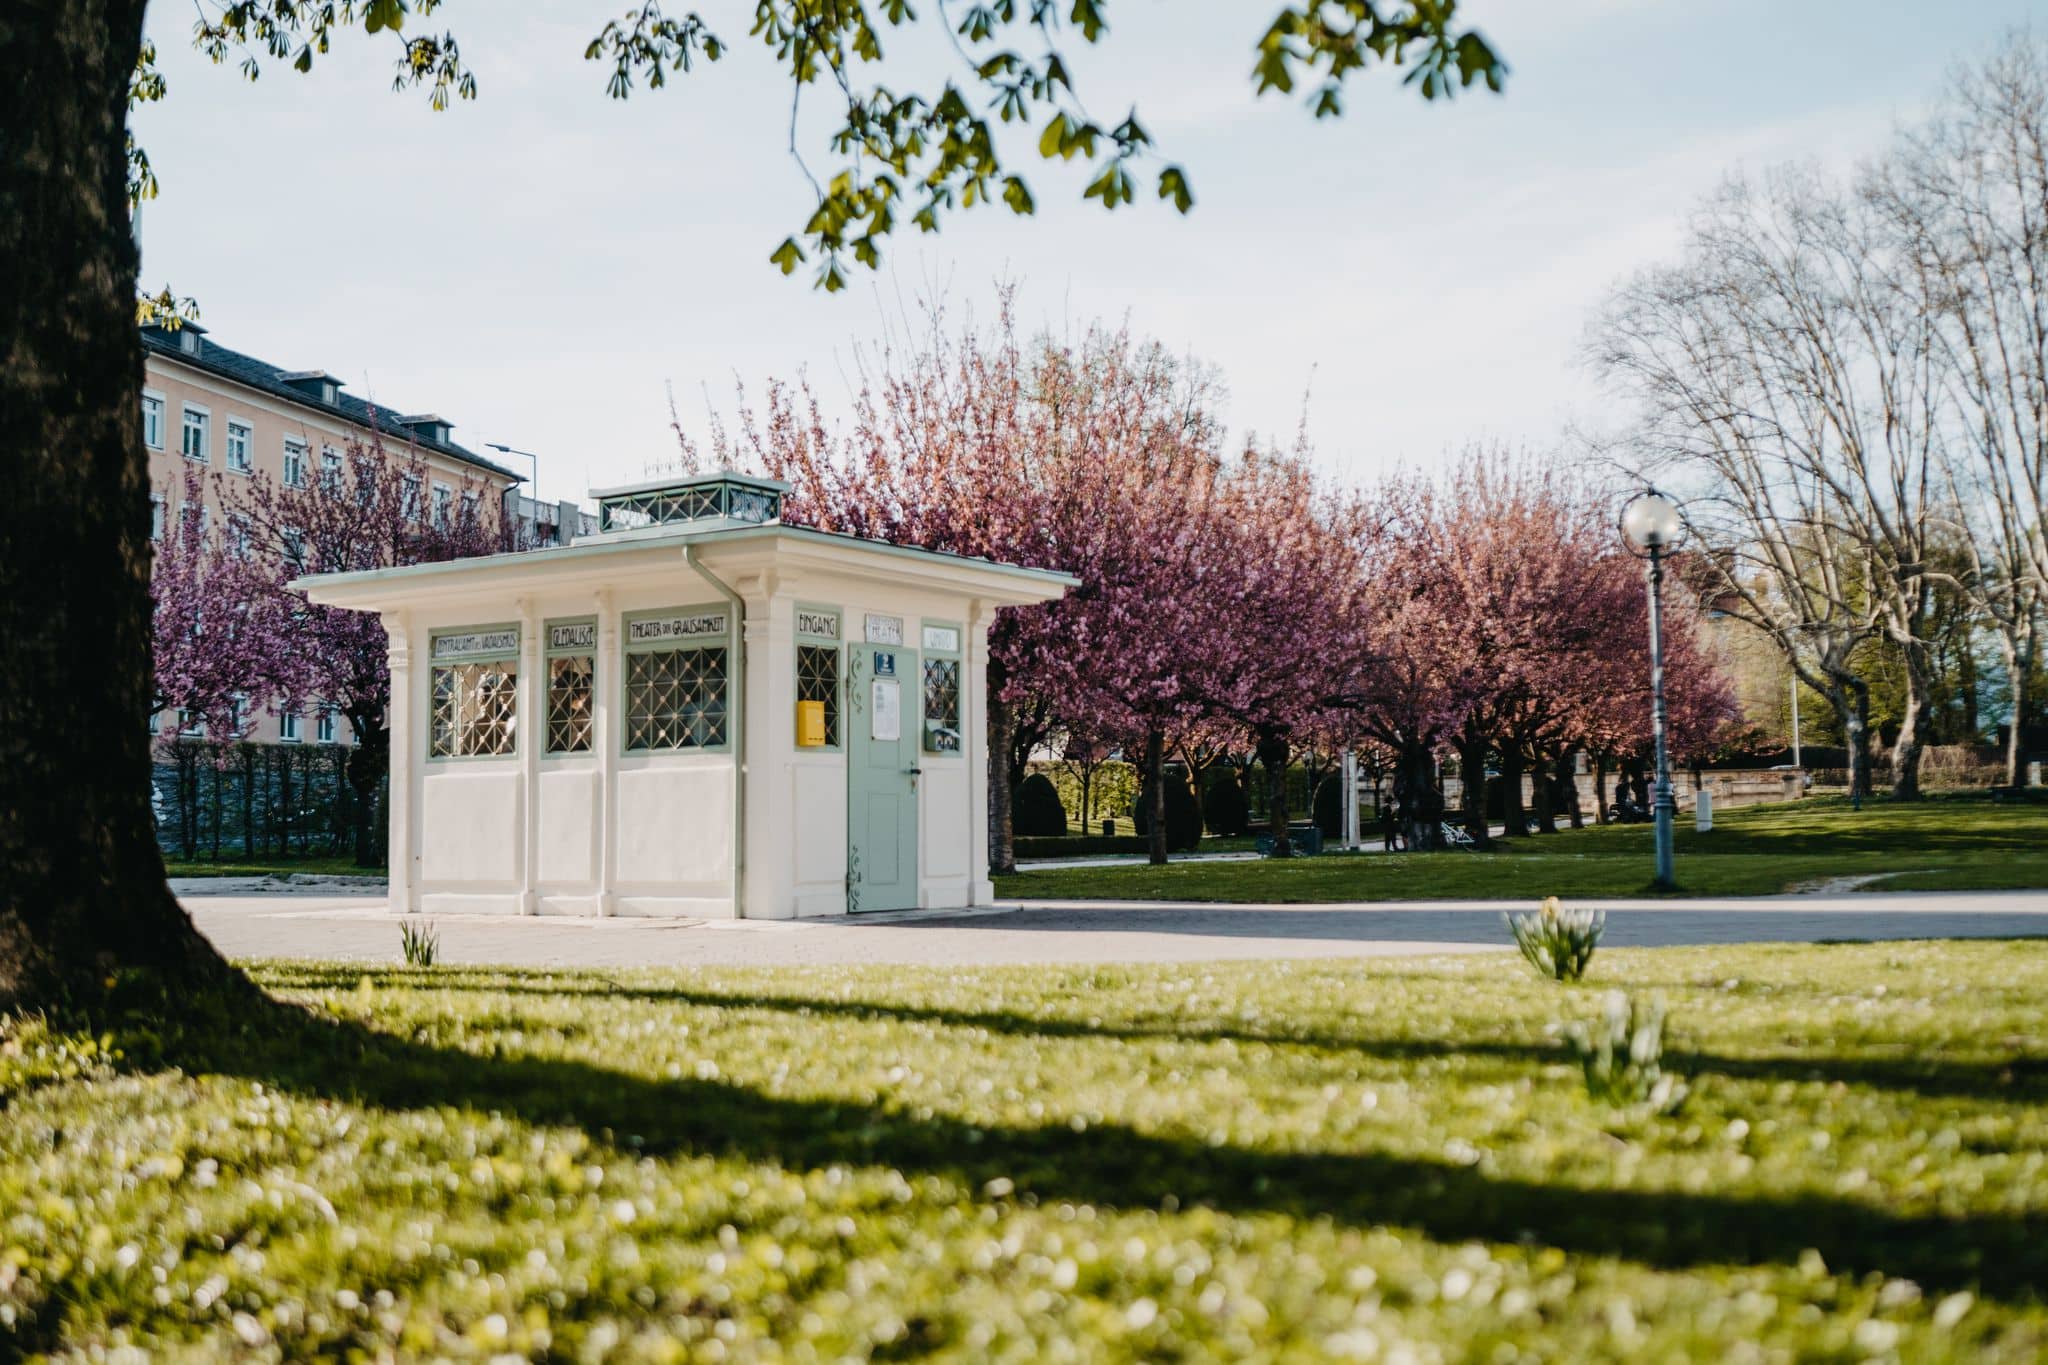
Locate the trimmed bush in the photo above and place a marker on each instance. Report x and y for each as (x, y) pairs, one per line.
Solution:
(1035, 811)
(1183, 816)
(1224, 809)
(1329, 811)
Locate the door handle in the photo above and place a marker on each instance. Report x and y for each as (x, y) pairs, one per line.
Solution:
(912, 772)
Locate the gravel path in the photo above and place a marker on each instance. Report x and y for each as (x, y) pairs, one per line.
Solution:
(359, 928)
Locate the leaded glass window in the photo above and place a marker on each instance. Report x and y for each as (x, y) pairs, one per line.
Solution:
(676, 698)
(942, 706)
(817, 679)
(476, 709)
(570, 691)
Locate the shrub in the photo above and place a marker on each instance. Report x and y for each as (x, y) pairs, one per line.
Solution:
(420, 942)
(1329, 807)
(1183, 816)
(1622, 1055)
(1224, 809)
(1558, 943)
(1035, 811)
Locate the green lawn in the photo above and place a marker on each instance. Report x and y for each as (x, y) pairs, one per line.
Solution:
(1951, 843)
(342, 865)
(1259, 1161)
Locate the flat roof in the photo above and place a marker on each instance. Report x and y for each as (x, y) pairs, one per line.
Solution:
(654, 537)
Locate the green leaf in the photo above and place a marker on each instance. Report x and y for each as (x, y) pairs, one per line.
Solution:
(787, 256)
(1018, 195)
(1173, 185)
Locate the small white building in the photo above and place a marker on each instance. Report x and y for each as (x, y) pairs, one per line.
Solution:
(697, 711)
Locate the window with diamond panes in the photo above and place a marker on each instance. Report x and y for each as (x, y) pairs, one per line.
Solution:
(570, 693)
(817, 679)
(476, 710)
(676, 698)
(942, 706)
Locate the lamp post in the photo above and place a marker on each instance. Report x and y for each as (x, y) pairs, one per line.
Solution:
(1652, 527)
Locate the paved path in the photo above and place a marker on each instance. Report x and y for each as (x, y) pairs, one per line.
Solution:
(359, 928)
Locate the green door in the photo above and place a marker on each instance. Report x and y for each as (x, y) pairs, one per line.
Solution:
(881, 770)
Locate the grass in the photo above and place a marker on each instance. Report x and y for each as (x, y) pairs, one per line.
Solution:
(1390, 1161)
(1943, 844)
(341, 865)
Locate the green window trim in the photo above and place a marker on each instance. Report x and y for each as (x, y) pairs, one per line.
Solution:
(473, 692)
(677, 680)
(939, 693)
(571, 678)
(821, 669)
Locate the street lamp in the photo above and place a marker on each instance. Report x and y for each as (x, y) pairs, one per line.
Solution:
(1652, 528)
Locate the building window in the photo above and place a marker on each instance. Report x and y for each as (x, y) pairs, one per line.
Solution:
(572, 685)
(294, 462)
(471, 513)
(152, 722)
(476, 709)
(195, 434)
(240, 535)
(295, 549)
(156, 517)
(676, 698)
(239, 438)
(189, 724)
(330, 466)
(941, 689)
(153, 421)
(409, 496)
(444, 504)
(817, 670)
(324, 726)
(288, 727)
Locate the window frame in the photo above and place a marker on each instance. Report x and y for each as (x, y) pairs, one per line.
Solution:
(835, 717)
(326, 725)
(569, 650)
(499, 653)
(295, 445)
(288, 727)
(628, 647)
(186, 412)
(154, 403)
(929, 654)
(247, 464)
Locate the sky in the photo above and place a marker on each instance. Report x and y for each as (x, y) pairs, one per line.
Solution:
(544, 265)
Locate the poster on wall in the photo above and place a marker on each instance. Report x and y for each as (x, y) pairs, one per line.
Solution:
(887, 711)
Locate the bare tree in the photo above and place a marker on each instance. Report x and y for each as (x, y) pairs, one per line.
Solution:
(1785, 379)
(1966, 195)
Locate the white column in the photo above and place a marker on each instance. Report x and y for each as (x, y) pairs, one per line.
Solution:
(1348, 775)
(974, 736)
(768, 806)
(606, 727)
(532, 735)
(405, 739)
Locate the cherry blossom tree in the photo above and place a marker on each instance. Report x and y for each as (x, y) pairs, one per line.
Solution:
(369, 512)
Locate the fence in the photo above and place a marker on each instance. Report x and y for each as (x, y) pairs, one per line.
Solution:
(216, 800)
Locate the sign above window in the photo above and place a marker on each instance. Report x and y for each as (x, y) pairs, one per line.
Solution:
(680, 627)
(884, 630)
(477, 644)
(572, 635)
(943, 639)
(821, 623)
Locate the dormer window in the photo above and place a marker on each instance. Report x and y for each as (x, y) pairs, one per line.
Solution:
(428, 426)
(316, 384)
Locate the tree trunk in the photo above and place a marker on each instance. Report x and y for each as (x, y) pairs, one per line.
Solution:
(1568, 783)
(1155, 797)
(1543, 784)
(1472, 751)
(1912, 724)
(1002, 848)
(1600, 788)
(1273, 752)
(1513, 816)
(368, 762)
(1856, 731)
(82, 892)
(1420, 799)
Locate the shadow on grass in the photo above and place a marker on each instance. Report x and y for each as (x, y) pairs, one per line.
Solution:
(1117, 1166)
(2004, 1080)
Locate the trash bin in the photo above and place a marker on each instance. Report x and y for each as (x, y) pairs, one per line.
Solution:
(1703, 811)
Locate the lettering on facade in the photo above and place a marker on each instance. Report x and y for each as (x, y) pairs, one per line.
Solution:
(945, 639)
(580, 635)
(884, 630)
(825, 623)
(676, 627)
(476, 643)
